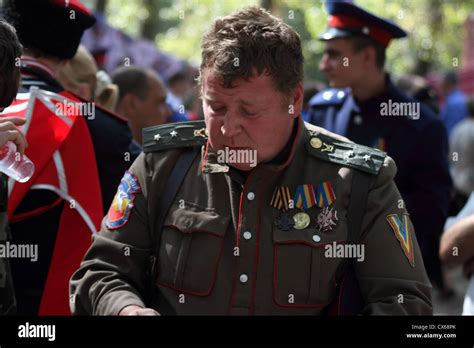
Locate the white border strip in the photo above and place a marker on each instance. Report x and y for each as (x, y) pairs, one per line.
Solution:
(68, 198)
(60, 171)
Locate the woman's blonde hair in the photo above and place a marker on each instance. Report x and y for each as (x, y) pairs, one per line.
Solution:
(80, 69)
(83, 69)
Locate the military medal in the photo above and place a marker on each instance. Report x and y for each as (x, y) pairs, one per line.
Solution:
(325, 194)
(281, 198)
(284, 222)
(302, 220)
(326, 219)
(304, 196)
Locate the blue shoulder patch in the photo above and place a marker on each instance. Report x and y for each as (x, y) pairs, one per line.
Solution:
(330, 96)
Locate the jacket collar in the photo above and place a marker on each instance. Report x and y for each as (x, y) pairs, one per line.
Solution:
(31, 64)
(209, 157)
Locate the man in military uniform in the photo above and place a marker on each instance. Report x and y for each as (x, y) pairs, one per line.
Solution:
(40, 214)
(253, 211)
(365, 106)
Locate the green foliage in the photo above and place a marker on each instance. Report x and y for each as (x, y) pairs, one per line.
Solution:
(194, 17)
(435, 27)
(126, 15)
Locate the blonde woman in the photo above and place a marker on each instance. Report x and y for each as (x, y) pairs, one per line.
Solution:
(81, 76)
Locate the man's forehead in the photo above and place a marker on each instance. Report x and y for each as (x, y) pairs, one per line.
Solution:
(214, 89)
(222, 94)
(338, 43)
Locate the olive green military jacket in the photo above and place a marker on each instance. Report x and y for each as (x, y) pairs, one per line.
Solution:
(7, 294)
(234, 245)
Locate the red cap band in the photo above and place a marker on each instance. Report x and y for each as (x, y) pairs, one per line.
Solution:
(76, 5)
(342, 22)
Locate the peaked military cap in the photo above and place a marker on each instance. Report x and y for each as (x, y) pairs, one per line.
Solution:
(347, 19)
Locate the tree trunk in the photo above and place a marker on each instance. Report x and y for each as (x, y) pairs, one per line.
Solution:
(148, 29)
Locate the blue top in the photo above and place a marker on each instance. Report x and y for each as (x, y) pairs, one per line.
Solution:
(454, 110)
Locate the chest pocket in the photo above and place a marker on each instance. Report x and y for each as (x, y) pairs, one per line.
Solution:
(304, 273)
(191, 245)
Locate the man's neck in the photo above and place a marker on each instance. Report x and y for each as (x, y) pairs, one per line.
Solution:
(137, 135)
(373, 85)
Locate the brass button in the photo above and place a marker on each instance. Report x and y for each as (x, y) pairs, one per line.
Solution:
(316, 143)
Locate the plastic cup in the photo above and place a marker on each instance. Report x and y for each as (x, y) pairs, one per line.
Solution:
(16, 166)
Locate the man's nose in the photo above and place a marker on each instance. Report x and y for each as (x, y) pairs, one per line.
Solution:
(231, 125)
(324, 64)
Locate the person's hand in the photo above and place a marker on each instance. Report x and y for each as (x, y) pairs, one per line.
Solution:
(457, 243)
(9, 132)
(137, 310)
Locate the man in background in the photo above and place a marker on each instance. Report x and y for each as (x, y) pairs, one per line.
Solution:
(454, 109)
(365, 106)
(142, 99)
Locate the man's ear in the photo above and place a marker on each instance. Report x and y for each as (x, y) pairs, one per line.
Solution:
(370, 56)
(296, 101)
(128, 105)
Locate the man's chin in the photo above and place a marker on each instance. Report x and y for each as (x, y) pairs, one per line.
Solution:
(246, 167)
(336, 84)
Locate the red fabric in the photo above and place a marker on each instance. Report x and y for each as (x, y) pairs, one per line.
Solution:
(342, 21)
(46, 134)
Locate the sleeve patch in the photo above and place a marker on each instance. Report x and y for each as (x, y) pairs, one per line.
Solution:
(119, 211)
(403, 233)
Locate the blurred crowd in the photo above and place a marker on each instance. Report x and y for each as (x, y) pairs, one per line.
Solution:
(133, 86)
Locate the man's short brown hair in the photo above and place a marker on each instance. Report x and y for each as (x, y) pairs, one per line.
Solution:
(10, 53)
(361, 42)
(253, 41)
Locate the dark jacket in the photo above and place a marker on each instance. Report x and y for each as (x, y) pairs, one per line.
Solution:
(417, 142)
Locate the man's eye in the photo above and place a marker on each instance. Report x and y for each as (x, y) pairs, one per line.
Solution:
(217, 110)
(249, 113)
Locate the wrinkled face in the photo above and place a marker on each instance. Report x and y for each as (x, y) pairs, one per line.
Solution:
(250, 116)
(341, 64)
